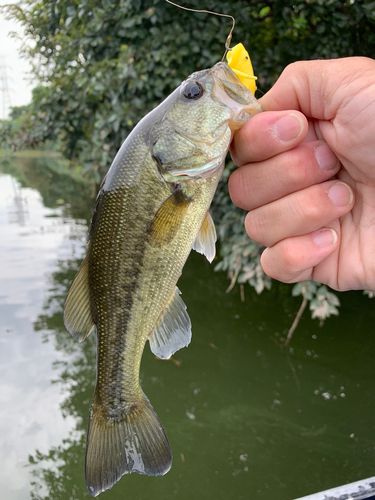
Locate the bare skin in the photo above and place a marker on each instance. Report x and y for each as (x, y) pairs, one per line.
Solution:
(307, 176)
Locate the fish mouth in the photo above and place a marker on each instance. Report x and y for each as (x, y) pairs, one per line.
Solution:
(229, 91)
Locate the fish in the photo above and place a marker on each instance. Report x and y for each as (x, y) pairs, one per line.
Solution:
(151, 210)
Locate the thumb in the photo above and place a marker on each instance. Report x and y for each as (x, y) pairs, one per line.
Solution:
(317, 88)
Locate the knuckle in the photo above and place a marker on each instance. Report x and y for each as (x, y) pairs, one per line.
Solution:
(235, 187)
(296, 169)
(302, 276)
(295, 173)
(311, 205)
(242, 145)
(282, 262)
(264, 262)
(292, 259)
(240, 187)
(289, 258)
(292, 68)
(234, 154)
(256, 227)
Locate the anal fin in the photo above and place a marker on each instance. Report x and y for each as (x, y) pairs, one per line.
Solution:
(173, 330)
(206, 239)
(77, 311)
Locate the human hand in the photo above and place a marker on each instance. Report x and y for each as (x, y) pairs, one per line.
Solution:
(307, 174)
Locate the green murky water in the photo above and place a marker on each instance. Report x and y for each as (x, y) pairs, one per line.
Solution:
(246, 419)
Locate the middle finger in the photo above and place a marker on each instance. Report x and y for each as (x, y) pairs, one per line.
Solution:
(257, 184)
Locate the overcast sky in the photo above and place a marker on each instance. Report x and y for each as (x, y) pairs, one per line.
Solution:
(16, 69)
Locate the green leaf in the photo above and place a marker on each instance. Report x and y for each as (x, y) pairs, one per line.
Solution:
(71, 11)
(263, 12)
(69, 21)
(297, 289)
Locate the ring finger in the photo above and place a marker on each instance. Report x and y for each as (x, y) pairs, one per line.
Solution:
(299, 213)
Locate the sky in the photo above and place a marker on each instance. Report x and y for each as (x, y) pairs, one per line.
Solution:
(16, 69)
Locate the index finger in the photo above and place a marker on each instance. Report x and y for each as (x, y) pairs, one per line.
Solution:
(268, 134)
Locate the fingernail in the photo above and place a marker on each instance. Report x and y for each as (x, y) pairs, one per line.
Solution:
(288, 127)
(326, 157)
(325, 237)
(340, 194)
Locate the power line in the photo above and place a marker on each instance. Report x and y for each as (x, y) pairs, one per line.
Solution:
(4, 88)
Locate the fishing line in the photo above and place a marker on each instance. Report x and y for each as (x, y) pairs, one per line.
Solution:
(229, 37)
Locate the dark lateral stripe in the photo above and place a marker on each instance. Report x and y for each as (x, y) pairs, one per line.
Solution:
(111, 344)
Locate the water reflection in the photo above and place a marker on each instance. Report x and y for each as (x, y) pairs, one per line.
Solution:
(245, 418)
(33, 240)
(18, 211)
(58, 472)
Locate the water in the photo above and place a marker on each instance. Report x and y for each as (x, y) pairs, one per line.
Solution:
(245, 417)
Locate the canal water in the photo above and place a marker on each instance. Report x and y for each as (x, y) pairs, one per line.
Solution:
(246, 418)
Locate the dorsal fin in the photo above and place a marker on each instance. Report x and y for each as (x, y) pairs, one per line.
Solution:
(205, 241)
(173, 330)
(77, 311)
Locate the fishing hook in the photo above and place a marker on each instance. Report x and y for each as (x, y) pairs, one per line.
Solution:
(229, 37)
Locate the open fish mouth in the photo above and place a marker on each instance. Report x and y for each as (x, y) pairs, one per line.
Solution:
(229, 91)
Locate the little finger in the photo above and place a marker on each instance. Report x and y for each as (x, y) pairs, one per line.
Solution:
(293, 259)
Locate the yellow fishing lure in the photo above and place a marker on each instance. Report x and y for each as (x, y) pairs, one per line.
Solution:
(240, 63)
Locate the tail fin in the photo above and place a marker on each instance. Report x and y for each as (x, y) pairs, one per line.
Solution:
(136, 443)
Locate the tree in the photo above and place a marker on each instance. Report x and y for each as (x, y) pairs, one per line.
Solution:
(103, 65)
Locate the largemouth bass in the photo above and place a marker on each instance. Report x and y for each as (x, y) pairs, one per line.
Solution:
(151, 210)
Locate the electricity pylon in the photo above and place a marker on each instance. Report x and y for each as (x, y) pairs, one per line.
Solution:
(4, 89)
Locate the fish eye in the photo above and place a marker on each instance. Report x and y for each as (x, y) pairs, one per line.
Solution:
(193, 90)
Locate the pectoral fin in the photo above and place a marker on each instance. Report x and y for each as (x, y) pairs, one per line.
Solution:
(168, 219)
(205, 241)
(173, 330)
(77, 312)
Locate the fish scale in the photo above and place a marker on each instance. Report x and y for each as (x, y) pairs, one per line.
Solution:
(151, 210)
